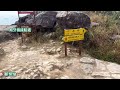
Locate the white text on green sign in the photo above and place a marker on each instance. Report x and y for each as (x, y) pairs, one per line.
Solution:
(20, 30)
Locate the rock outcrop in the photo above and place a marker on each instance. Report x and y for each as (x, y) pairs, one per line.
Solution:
(73, 20)
(23, 20)
(4, 35)
(66, 20)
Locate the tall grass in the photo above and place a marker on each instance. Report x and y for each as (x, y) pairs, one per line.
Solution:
(100, 45)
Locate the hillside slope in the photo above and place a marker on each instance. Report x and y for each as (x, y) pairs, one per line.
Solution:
(47, 61)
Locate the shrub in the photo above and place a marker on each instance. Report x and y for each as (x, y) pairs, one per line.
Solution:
(101, 46)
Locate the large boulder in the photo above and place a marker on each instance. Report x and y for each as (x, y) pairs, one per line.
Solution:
(61, 14)
(45, 19)
(5, 36)
(23, 20)
(66, 20)
(29, 21)
(73, 20)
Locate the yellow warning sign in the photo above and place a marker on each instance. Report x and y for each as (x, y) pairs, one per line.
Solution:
(73, 38)
(69, 32)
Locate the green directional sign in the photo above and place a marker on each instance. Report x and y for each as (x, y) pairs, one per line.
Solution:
(20, 30)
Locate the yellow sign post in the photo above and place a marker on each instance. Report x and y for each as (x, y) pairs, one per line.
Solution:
(73, 35)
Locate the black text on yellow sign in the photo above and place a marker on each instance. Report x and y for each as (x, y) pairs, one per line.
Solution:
(74, 34)
(73, 38)
(69, 32)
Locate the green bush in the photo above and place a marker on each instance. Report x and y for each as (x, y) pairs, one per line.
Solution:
(59, 33)
(100, 45)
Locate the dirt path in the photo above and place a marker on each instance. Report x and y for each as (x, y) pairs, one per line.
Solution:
(47, 61)
(47, 56)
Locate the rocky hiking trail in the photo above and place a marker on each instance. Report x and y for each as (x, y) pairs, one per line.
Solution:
(47, 61)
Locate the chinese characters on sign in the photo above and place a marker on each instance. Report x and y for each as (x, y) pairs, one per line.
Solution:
(20, 30)
(74, 34)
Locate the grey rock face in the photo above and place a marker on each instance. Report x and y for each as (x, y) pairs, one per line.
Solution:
(67, 20)
(74, 20)
(45, 19)
(4, 35)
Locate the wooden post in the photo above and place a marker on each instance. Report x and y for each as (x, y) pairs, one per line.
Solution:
(80, 47)
(65, 44)
(35, 26)
(65, 49)
(19, 25)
